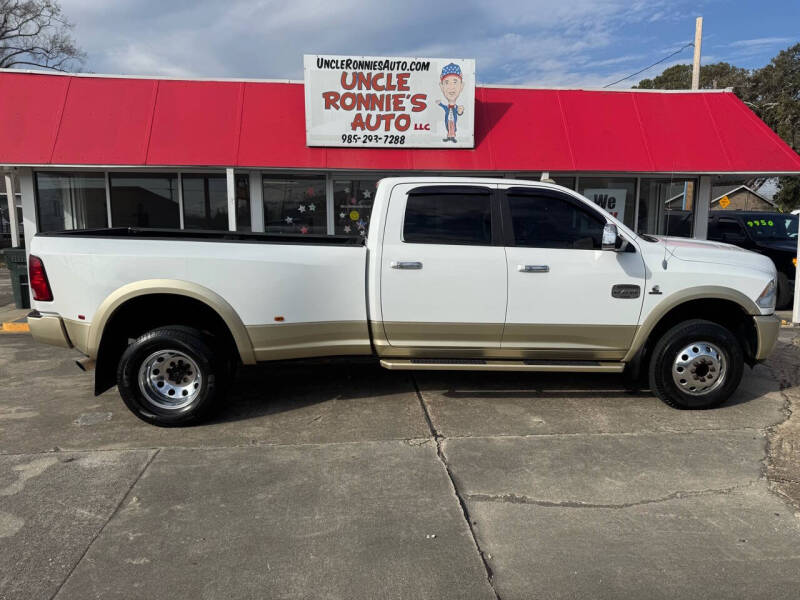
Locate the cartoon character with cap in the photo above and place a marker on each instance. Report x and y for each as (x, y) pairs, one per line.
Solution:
(451, 83)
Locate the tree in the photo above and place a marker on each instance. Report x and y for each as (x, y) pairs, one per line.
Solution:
(714, 76)
(35, 33)
(774, 95)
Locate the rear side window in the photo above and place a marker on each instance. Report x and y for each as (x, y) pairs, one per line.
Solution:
(725, 229)
(552, 222)
(448, 218)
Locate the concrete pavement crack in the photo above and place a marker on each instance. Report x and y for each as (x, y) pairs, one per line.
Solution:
(437, 438)
(680, 495)
(777, 461)
(114, 512)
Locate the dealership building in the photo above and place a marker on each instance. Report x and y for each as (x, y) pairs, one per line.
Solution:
(86, 151)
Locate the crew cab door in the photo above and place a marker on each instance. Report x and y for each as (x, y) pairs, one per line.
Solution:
(443, 268)
(567, 298)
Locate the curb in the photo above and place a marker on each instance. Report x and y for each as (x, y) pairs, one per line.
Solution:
(11, 327)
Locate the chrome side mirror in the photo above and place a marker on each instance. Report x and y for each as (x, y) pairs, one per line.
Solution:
(610, 235)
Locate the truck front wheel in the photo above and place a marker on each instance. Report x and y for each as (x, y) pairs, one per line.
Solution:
(697, 364)
(171, 376)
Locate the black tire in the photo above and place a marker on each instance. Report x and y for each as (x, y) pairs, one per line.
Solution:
(146, 402)
(666, 353)
(785, 293)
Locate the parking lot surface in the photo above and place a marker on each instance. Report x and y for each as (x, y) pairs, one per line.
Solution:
(343, 480)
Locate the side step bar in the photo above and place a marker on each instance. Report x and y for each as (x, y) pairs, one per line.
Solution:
(450, 364)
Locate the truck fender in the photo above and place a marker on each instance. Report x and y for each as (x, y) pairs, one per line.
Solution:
(704, 292)
(177, 287)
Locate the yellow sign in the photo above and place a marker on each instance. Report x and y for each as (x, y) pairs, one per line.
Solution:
(724, 202)
(354, 215)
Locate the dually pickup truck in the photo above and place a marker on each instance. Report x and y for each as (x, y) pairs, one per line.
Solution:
(454, 274)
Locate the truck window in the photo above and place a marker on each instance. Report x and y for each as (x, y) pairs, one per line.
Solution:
(726, 230)
(551, 222)
(448, 218)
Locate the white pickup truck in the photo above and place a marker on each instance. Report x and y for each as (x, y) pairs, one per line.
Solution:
(455, 274)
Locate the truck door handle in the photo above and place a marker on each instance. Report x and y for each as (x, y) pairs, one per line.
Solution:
(533, 268)
(405, 264)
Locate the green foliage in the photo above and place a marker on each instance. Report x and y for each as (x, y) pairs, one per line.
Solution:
(774, 95)
(714, 76)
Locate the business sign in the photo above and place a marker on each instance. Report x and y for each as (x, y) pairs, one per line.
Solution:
(609, 199)
(382, 102)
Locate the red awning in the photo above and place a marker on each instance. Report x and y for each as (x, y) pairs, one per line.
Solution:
(48, 119)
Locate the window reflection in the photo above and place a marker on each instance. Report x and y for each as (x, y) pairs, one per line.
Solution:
(139, 200)
(71, 201)
(352, 205)
(295, 204)
(205, 201)
(666, 207)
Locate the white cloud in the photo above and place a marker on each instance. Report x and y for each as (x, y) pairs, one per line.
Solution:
(767, 41)
(541, 42)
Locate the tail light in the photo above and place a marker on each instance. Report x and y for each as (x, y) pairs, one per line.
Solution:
(38, 280)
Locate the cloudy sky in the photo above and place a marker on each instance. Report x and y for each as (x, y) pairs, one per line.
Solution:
(538, 42)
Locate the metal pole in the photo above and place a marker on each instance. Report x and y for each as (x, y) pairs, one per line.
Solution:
(12, 211)
(796, 311)
(231, 180)
(698, 41)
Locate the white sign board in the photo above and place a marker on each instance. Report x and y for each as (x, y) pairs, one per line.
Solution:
(382, 102)
(609, 199)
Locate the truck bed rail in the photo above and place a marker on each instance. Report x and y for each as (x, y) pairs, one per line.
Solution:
(199, 235)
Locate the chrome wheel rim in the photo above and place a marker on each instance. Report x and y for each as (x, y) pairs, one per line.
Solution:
(170, 379)
(699, 368)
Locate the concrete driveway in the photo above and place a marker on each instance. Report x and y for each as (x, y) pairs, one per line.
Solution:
(342, 480)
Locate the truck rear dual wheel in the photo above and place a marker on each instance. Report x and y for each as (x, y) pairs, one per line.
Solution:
(172, 376)
(695, 365)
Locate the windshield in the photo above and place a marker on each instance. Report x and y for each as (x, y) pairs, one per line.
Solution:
(772, 227)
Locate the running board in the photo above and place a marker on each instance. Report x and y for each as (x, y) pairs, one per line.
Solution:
(456, 364)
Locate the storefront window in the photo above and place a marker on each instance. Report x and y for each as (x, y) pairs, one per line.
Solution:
(71, 201)
(616, 195)
(295, 204)
(139, 200)
(242, 183)
(5, 220)
(567, 182)
(205, 201)
(352, 205)
(666, 207)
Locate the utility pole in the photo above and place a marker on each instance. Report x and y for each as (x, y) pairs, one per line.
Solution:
(698, 41)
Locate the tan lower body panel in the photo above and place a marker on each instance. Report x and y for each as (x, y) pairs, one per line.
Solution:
(307, 340)
(475, 335)
(767, 328)
(441, 341)
(546, 342)
(596, 338)
(79, 334)
(49, 329)
(503, 365)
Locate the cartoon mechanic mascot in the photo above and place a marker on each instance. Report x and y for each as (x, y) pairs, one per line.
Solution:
(451, 83)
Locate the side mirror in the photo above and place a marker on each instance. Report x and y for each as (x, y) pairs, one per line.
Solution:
(610, 235)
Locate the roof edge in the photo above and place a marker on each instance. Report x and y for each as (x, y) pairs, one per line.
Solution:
(300, 82)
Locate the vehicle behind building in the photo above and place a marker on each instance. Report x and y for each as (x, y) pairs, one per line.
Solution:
(772, 234)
